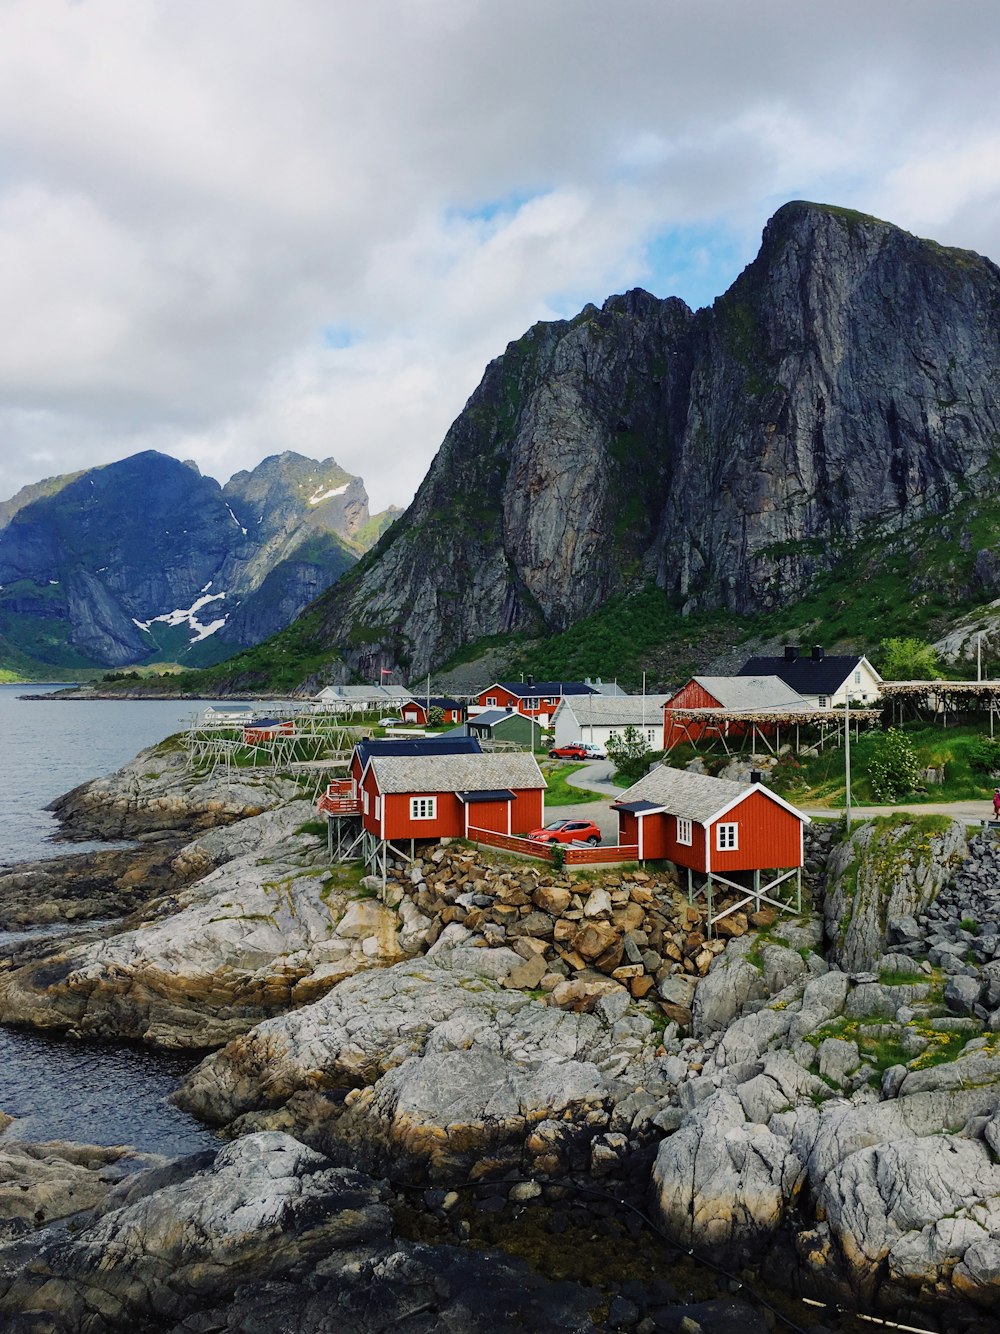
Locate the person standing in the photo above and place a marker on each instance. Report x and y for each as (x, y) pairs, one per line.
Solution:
(996, 803)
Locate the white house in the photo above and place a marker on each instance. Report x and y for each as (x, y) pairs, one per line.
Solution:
(824, 680)
(595, 717)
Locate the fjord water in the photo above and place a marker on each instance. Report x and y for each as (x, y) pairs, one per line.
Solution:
(93, 1093)
(48, 747)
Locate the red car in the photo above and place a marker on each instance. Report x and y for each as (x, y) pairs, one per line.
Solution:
(574, 751)
(568, 831)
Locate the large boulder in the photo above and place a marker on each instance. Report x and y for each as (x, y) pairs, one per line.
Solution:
(889, 868)
(722, 1183)
(268, 929)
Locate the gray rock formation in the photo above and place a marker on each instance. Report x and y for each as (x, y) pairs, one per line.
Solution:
(842, 387)
(888, 869)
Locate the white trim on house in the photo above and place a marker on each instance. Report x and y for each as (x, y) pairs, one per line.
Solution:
(423, 808)
(685, 831)
(727, 837)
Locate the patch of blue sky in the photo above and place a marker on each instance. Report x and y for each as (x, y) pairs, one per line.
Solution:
(697, 263)
(338, 335)
(492, 209)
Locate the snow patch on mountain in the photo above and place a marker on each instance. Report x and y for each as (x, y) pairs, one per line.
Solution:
(319, 496)
(190, 615)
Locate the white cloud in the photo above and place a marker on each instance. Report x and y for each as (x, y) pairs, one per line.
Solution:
(191, 194)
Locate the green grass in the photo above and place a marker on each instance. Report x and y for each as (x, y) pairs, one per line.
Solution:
(819, 780)
(560, 793)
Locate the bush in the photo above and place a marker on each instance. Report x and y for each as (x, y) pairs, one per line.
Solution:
(894, 769)
(629, 753)
(984, 756)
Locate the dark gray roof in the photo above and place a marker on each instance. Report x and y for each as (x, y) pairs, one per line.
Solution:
(490, 717)
(637, 807)
(551, 689)
(807, 675)
(447, 744)
(487, 794)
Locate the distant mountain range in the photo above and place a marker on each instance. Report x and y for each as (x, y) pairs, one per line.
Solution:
(843, 392)
(146, 560)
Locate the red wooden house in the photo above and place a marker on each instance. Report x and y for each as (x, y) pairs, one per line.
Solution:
(264, 730)
(738, 694)
(710, 825)
(443, 796)
(535, 699)
(416, 711)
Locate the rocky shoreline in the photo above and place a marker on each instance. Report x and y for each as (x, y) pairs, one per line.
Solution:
(814, 1098)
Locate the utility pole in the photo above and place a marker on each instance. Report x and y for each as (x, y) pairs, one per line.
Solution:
(847, 759)
(979, 656)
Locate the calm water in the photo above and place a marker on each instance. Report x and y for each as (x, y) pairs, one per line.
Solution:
(47, 748)
(60, 1089)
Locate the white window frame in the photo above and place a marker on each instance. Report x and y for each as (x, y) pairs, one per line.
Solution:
(491, 701)
(364, 800)
(532, 703)
(378, 808)
(857, 677)
(423, 808)
(823, 699)
(685, 833)
(727, 838)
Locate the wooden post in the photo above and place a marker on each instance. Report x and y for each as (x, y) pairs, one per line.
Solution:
(708, 900)
(756, 890)
(798, 889)
(690, 888)
(329, 839)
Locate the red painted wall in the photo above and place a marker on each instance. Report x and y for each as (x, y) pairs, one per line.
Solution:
(414, 713)
(691, 696)
(527, 811)
(768, 836)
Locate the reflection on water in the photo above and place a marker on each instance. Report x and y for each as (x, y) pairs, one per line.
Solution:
(96, 1093)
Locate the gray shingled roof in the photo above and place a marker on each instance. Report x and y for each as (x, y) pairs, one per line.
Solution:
(752, 693)
(693, 796)
(456, 773)
(615, 710)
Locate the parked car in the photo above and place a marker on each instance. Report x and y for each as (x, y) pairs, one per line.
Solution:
(594, 751)
(574, 751)
(568, 831)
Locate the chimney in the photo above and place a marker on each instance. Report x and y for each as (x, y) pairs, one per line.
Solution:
(756, 776)
(791, 652)
(817, 653)
(531, 680)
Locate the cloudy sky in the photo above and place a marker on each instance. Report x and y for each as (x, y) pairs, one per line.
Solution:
(233, 227)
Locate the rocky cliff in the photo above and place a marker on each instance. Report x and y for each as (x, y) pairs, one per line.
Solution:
(843, 387)
(147, 559)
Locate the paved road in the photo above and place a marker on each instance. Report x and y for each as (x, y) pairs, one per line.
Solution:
(969, 812)
(596, 777)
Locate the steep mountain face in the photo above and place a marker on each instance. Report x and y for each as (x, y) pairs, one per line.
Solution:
(147, 559)
(845, 386)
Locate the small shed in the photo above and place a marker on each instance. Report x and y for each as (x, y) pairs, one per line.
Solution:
(444, 796)
(506, 725)
(417, 711)
(263, 730)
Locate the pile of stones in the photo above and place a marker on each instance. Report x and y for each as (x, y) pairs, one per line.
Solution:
(629, 933)
(959, 933)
